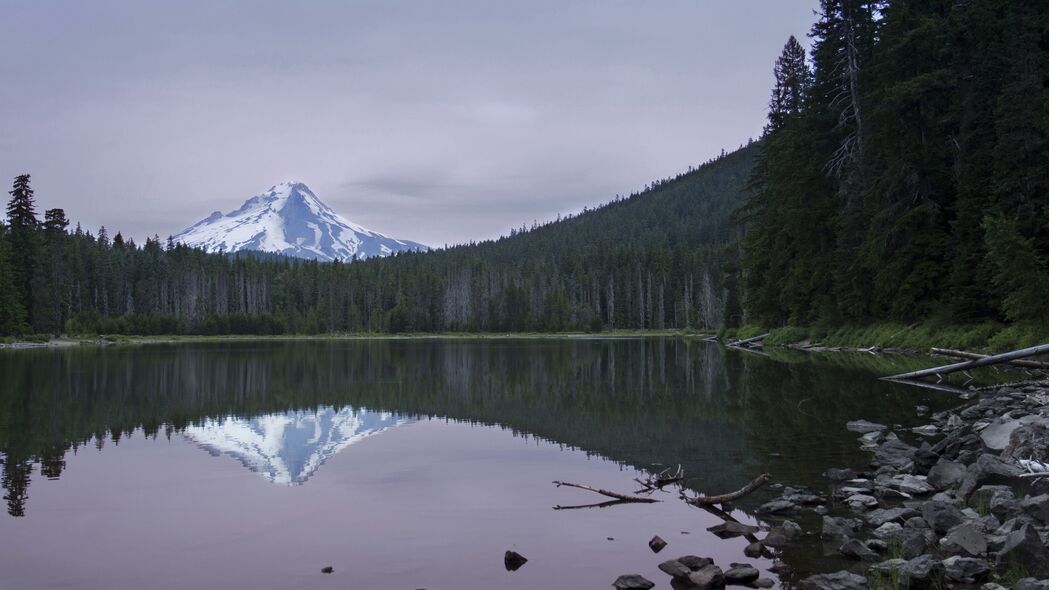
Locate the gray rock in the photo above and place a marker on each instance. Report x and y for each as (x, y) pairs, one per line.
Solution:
(895, 454)
(877, 545)
(941, 516)
(967, 570)
(674, 569)
(925, 457)
(804, 499)
(1030, 441)
(775, 538)
(987, 469)
(754, 550)
(878, 517)
(946, 474)
(996, 436)
(741, 573)
(1032, 584)
(888, 530)
(783, 534)
(965, 539)
(855, 549)
(837, 475)
(862, 501)
(731, 528)
(915, 485)
(888, 567)
(513, 561)
(694, 563)
(1037, 506)
(776, 506)
(1013, 524)
(1005, 508)
(927, 430)
(327, 569)
(842, 580)
(657, 544)
(708, 578)
(872, 439)
(632, 582)
(914, 542)
(984, 496)
(863, 427)
(915, 522)
(764, 583)
(924, 571)
(1025, 547)
(840, 527)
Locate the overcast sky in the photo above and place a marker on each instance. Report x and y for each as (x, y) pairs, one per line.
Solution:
(436, 121)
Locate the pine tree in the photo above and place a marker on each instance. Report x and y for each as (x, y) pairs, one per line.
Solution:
(792, 79)
(22, 240)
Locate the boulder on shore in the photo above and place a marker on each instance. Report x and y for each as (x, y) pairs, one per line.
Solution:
(842, 580)
(632, 582)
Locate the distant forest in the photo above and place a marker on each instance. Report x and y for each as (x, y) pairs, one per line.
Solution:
(649, 261)
(903, 176)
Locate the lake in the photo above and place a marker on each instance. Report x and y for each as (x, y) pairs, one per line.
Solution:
(408, 463)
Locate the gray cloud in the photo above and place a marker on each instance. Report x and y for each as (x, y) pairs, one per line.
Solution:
(434, 121)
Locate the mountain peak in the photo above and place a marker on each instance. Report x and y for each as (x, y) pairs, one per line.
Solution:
(290, 219)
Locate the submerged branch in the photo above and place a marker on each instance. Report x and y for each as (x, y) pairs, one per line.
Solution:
(609, 493)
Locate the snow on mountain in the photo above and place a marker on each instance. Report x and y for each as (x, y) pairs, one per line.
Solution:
(287, 448)
(289, 219)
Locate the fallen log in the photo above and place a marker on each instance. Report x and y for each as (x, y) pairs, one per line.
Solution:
(982, 362)
(609, 493)
(748, 340)
(962, 354)
(759, 481)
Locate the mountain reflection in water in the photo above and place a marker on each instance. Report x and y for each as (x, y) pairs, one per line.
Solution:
(287, 448)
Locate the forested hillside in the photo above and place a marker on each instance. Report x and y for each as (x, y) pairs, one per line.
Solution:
(904, 174)
(653, 260)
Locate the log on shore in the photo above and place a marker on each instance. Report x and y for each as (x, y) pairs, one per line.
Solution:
(982, 362)
(963, 354)
(748, 340)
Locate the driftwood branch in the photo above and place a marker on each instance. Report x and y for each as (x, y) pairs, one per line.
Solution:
(982, 362)
(608, 493)
(759, 481)
(962, 354)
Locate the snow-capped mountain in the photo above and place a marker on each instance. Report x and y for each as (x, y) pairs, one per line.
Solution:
(287, 448)
(289, 219)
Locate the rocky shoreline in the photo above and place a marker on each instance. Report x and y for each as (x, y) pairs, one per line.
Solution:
(955, 503)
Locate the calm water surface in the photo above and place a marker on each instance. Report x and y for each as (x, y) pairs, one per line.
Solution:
(404, 463)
